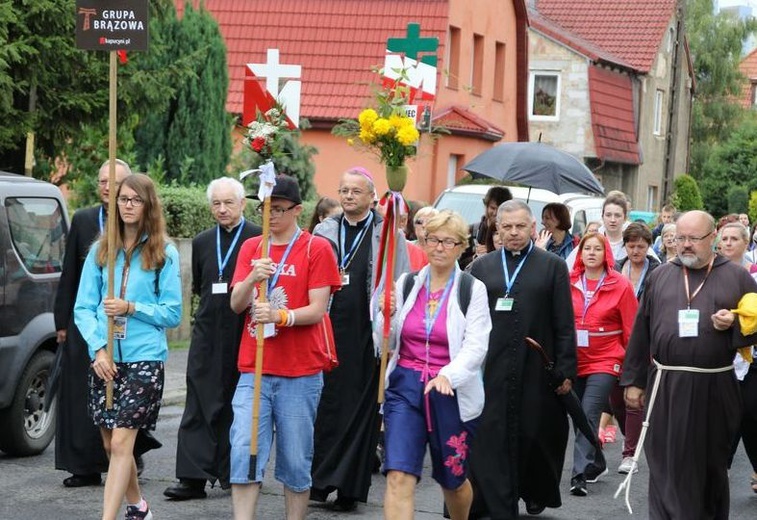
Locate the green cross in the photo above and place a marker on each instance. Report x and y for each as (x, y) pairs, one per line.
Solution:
(412, 44)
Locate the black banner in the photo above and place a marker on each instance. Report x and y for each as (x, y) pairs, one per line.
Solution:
(110, 25)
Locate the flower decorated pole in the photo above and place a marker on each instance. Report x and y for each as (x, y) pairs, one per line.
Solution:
(267, 182)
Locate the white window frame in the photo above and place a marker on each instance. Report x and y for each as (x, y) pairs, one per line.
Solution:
(531, 81)
(659, 102)
(652, 193)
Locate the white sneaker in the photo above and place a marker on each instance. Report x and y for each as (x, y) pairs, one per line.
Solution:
(626, 465)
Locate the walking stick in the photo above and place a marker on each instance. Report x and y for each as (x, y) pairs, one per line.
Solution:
(267, 181)
(388, 286)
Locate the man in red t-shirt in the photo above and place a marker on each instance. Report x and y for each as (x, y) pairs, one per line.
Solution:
(301, 273)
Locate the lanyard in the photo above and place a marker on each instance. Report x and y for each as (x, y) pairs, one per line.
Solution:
(101, 219)
(587, 301)
(346, 258)
(509, 282)
(431, 318)
(640, 283)
(275, 278)
(222, 264)
(686, 282)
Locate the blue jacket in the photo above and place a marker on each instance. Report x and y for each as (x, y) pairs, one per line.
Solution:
(157, 303)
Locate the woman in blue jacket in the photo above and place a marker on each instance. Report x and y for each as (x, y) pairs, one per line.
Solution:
(147, 300)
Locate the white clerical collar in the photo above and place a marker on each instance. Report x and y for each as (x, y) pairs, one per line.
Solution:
(358, 222)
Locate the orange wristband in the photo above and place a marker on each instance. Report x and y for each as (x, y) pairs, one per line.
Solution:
(282, 318)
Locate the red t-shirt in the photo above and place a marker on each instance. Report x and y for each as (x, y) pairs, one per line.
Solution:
(294, 351)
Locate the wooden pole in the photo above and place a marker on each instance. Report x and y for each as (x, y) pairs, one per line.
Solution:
(111, 212)
(388, 287)
(260, 337)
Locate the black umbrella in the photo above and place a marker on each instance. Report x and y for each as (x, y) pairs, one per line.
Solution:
(571, 402)
(537, 165)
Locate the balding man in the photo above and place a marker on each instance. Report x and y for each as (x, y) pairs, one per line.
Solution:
(684, 326)
(348, 423)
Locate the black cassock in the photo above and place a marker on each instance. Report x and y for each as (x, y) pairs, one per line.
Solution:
(203, 445)
(78, 445)
(348, 421)
(695, 416)
(519, 447)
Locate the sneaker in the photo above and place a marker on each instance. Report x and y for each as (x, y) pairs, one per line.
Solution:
(134, 513)
(626, 465)
(578, 486)
(592, 475)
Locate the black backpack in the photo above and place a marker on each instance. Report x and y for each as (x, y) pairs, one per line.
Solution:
(463, 295)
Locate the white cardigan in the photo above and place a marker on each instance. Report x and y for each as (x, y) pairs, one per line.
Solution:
(468, 338)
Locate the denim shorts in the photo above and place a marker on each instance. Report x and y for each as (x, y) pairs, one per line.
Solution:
(406, 431)
(289, 404)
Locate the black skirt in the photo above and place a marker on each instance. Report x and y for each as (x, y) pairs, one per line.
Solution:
(137, 395)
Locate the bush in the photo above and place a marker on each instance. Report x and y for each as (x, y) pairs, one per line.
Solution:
(753, 207)
(738, 199)
(686, 196)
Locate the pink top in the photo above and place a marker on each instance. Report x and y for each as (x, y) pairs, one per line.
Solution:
(413, 338)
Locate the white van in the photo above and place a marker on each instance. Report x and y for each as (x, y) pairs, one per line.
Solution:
(468, 199)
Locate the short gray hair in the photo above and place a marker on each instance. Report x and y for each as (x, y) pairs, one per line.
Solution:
(512, 205)
(225, 181)
(119, 162)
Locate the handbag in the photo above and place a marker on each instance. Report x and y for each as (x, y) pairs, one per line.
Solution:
(328, 347)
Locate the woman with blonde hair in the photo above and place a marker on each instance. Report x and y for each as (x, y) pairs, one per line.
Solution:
(147, 301)
(434, 389)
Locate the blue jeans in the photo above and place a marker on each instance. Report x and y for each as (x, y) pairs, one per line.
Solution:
(594, 392)
(289, 404)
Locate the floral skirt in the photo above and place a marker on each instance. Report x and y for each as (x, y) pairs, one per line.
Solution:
(137, 394)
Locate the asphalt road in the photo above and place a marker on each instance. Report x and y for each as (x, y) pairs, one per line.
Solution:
(30, 488)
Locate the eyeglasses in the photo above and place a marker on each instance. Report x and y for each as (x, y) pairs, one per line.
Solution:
(693, 240)
(447, 243)
(135, 201)
(277, 212)
(344, 192)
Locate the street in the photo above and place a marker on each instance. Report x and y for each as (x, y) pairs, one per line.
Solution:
(31, 487)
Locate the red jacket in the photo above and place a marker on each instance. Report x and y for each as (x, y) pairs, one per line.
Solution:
(609, 318)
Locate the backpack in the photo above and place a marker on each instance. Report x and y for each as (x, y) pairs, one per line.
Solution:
(463, 294)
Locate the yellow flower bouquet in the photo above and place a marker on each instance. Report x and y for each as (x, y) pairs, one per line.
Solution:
(385, 131)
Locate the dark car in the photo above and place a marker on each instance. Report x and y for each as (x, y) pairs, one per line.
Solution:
(33, 227)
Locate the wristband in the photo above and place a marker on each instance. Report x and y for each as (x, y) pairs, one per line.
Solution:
(282, 318)
(290, 320)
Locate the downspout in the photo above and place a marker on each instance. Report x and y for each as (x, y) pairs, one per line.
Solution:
(672, 129)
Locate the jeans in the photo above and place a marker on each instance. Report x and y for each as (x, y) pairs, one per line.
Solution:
(594, 392)
(289, 404)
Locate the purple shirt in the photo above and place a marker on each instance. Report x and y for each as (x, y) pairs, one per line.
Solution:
(413, 338)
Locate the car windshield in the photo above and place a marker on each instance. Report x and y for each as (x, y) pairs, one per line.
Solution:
(471, 206)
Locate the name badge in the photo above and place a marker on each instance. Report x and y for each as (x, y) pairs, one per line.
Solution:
(688, 323)
(504, 304)
(345, 278)
(119, 327)
(220, 288)
(582, 338)
(269, 330)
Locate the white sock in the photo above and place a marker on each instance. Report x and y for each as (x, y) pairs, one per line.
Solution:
(141, 505)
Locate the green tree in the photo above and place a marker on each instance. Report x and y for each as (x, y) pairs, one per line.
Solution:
(199, 126)
(738, 199)
(753, 207)
(715, 41)
(732, 163)
(686, 195)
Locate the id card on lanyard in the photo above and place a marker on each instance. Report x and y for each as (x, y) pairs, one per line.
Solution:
(688, 318)
(120, 322)
(221, 287)
(506, 303)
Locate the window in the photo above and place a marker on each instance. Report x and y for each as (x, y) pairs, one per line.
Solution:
(453, 58)
(544, 98)
(453, 165)
(477, 72)
(37, 232)
(658, 105)
(499, 72)
(652, 198)
(671, 39)
(754, 94)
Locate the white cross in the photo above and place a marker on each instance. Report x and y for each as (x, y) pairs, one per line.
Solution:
(273, 71)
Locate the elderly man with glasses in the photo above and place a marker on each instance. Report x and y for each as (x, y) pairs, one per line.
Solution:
(348, 424)
(687, 334)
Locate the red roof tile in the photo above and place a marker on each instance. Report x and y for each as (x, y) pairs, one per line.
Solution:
(336, 42)
(748, 67)
(612, 116)
(633, 31)
(461, 121)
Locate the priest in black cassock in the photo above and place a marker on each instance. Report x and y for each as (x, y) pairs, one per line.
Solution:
(348, 422)
(519, 448)
(203, 449)
(78, 445)
(685, 326)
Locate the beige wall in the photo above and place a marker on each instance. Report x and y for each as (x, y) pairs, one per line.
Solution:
(572, 131)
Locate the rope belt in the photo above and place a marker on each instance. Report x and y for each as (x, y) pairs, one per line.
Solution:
(626, 484)
(608, 333)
